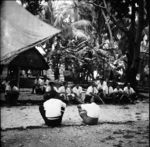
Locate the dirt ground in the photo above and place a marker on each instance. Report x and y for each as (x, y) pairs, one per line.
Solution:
(120, 126)
(132, 134)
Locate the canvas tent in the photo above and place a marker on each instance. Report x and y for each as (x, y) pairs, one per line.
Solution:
(20, 30)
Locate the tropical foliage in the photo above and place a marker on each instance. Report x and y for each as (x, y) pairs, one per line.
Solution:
(96, 34)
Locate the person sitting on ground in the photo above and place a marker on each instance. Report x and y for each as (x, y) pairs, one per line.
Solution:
(45, 83)
(99, 87)
(129, 94)
(50, 91)
(89, 112)
(117, 94)
(52, 111)
(63, 91)
(77, 91)
(38, 86)
(107, 92)
(11, 93)
(91, 90)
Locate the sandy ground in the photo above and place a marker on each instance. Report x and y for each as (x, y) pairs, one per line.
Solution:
(133, 134)
(121, 126)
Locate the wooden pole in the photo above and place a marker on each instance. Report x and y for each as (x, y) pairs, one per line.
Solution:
(18, 76)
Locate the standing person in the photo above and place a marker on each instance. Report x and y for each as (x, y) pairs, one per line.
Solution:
(52, 111)
(11, 93)
(77, 91)
(129, 94)
(89, 112)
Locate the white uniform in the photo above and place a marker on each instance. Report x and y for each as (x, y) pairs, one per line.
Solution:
(93, 110)
(118, 90)
(108, 90)
(53, 107)
(91, 89)
(77, 91)
(128, 91)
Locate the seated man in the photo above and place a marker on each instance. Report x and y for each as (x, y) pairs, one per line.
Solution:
(50, 91)
(45, 83)
(65, 91)
(108, 92)
(99, 88)
(52, 111)
(11, 93)
(129, 94)
(117, 94)
(77, 91)
(38, 86)
(91, 90)
(89, 112)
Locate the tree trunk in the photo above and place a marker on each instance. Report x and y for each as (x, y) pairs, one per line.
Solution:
(134, 50)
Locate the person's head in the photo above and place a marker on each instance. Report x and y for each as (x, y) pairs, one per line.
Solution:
(128, 85)
(61, 97)
(93, 84)
(51, 83)
(118, 86)
(65, 84)
(109, 84)
(45, 77)
(77, 85)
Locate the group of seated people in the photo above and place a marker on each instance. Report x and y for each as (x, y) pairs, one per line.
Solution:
(109, 94)
(103, 90)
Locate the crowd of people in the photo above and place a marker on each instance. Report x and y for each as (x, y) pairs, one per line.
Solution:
(104, 90)
(56, 98)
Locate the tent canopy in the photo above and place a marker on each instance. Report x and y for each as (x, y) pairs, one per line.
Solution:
(20, 30)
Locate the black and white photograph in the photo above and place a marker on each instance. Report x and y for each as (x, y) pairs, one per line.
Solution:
(74, 73)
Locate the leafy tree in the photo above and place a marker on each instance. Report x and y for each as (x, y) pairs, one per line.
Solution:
(92, 23)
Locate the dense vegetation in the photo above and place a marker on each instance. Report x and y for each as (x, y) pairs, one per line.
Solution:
(96, 34)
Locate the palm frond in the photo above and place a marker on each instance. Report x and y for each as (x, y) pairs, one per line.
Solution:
(81, 24)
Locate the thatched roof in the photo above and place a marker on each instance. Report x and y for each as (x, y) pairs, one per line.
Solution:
(20, 30)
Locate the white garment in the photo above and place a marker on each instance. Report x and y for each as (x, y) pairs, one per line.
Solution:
(78, 90)
(118, 90)
(92, 109)
(99, 86)
(129, 91)
(14, 88)
(91, 89)
(48, 89)
(53, 107)
(104, 84)
(108, 90)
(39, 82)
(62, 89)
